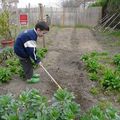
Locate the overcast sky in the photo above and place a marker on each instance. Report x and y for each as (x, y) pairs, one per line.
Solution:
(24, 3)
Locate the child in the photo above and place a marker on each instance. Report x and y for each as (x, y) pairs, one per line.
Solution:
(25, 49)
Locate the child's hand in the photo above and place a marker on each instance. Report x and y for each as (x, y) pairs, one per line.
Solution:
(40, 63)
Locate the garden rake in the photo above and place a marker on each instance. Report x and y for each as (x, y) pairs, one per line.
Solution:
(51, 77)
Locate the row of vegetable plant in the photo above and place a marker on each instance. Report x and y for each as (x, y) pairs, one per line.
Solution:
(31, 105)
(12, 65)
(106, 72)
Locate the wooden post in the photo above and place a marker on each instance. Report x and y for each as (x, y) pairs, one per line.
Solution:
(41, 19)
(51, 15)
(41, 12)
(63, 18)
(84, 3)
(29, 18)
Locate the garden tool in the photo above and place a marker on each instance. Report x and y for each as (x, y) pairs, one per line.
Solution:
(51, 77)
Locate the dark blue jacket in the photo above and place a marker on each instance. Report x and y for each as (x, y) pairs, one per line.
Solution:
(25, 45)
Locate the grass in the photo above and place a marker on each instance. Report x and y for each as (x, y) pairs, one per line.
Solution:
(82, 26)
(116, 44)
(116, 33)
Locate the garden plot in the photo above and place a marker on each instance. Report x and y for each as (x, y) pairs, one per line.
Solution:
(65, 47)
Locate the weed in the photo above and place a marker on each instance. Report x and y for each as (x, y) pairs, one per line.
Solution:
(93, 76)
(94, 91)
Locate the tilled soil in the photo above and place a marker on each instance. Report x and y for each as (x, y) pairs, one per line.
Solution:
(65, 46)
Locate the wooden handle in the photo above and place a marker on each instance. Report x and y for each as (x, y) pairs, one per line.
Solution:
(51, 77)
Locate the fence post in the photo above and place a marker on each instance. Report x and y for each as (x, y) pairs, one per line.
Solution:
(41, 12)
(41, 19)
(63, 17)
(29, 19)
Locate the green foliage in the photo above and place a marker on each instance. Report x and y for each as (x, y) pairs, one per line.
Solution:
(85, 57)
(5, 75)
(65, 100)
(41, 52)
(13, 65)
(62, 95)
(94, 91)
(5, 26)
(30, 105)
(6, 54)
(92, 55)
(92, 65)
(113, 6)
(101, 3)
(111, 80)
(97, 113)
(116, 59)
(93, 76)
(109, 77)
(115, 33)
(91, 61)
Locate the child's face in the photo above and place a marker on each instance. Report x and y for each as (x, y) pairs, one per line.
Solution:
(41, 33)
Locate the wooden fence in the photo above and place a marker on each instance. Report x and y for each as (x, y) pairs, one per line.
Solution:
(68, 16)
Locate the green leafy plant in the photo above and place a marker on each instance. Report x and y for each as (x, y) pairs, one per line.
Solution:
(14, 65)
(109, 77)
(5, 26)
(30, 105)
(5, 74)
(116, 59)
(84, 57)
(68, 109)
(6, 54)
(94, 91)
(93, 76)
(111, 80)
(92, 65)
(91, 61)
(87, 56)
(98, 113)
(41, 52)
